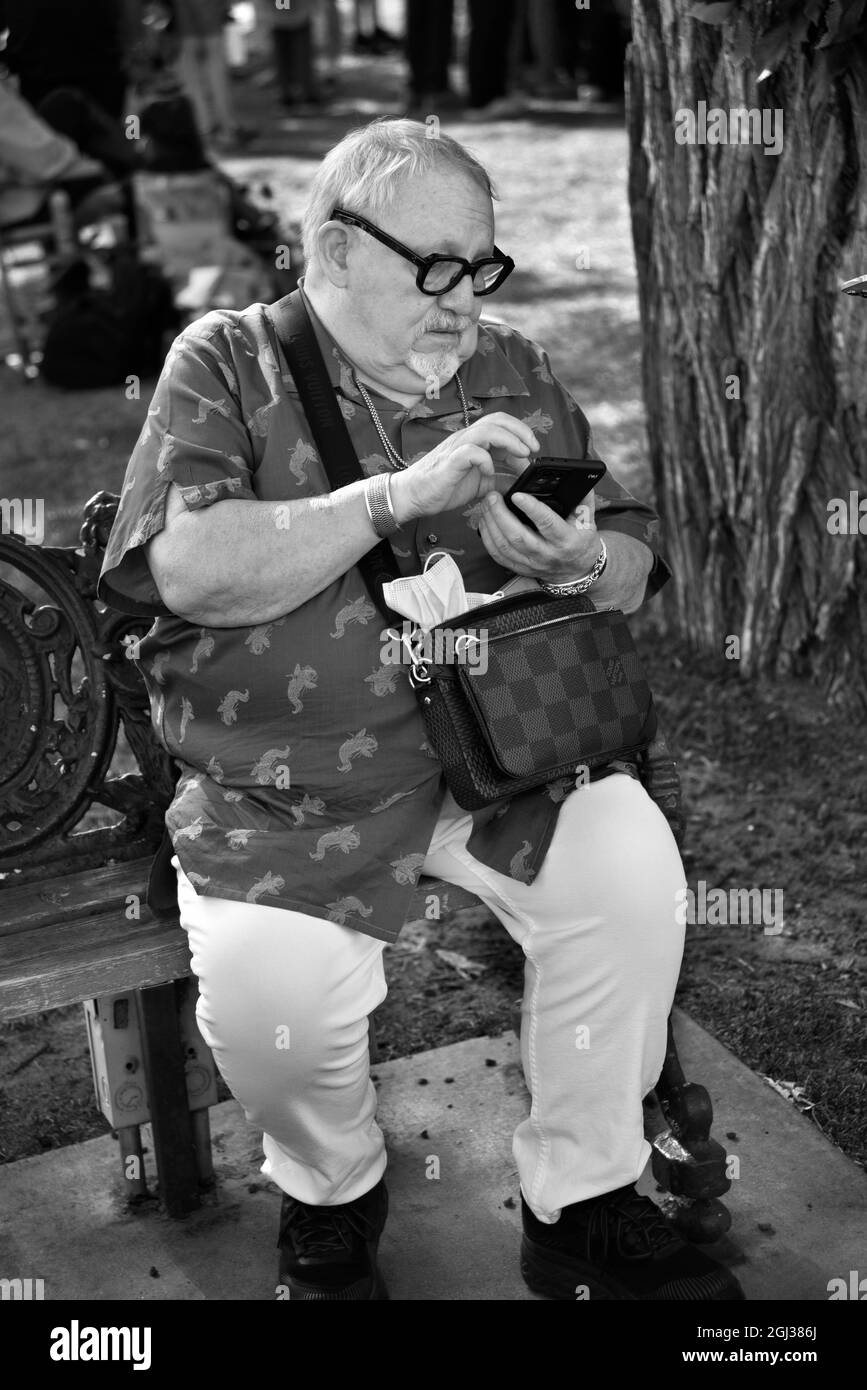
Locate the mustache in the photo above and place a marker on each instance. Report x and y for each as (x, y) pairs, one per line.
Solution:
(450, 325)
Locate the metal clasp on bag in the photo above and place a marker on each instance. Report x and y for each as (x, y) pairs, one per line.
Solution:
(419, 669)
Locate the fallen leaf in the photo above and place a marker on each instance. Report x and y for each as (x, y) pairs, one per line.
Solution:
(467, 969)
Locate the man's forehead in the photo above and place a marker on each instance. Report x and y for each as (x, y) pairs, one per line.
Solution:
(444, 213)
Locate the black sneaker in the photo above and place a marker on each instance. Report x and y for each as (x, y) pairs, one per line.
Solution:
(330, 1252)
(618, 1246)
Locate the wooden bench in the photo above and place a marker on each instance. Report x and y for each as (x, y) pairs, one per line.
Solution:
(75, 926)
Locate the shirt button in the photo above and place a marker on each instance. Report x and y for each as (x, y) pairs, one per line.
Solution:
(432, 539)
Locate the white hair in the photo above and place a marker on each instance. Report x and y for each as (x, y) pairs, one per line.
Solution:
(364, 173)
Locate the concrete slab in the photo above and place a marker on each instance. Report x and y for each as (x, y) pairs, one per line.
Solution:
(800, 1207)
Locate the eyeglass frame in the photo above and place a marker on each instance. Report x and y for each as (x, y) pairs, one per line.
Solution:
(424, 263)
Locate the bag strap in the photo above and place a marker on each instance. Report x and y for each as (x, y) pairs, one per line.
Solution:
(297, 339)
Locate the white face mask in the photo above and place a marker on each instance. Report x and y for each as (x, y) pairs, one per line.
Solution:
(431, 598)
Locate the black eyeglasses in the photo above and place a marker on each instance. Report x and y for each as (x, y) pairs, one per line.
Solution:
(439, 274)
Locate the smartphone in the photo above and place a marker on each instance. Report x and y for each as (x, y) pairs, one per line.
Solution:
(560, 483)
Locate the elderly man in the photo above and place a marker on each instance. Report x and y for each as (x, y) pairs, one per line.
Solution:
(309, 800)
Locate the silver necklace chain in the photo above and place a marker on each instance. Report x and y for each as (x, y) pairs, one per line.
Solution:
(392, 455)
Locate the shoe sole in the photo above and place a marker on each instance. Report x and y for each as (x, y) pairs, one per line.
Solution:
(562, 1278)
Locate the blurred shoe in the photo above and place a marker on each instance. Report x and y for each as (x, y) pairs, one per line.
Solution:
(500, 109)
(433, 104)
(378, 43)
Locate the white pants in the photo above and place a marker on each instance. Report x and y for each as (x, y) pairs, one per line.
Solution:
(284, 1000)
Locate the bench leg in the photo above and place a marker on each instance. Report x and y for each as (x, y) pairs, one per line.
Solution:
(174, 1146)
(129, 1138)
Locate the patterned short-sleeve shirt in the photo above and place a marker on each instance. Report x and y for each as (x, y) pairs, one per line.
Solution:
(306, 779)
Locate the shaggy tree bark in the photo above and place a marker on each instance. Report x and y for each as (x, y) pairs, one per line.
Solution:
(753, 361)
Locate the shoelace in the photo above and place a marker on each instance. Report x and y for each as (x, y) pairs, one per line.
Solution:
(628, 1216)
(322, 1231)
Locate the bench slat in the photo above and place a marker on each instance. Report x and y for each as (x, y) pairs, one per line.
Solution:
(71, 896)
(69, 962)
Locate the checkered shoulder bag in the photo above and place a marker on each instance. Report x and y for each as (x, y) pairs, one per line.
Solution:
(539, 687)
(562, 687)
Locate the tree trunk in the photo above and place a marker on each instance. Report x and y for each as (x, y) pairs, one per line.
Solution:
(753, 361)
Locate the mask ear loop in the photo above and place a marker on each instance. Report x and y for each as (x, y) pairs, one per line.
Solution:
(435, 555)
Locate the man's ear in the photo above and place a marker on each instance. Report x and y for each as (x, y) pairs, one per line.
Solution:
(333, 244)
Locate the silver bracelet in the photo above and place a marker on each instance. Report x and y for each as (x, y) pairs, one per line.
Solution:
(377, 499)
(579, 586)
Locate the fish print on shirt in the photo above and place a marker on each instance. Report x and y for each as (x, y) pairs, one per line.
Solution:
(237, 839)
(558, 789)
(375, 463)
(539, 422)
(227, 709)
(215, 770)
(473, 514)
(541, 371)
(158, 666)
(198, 880)
(518, 864)
(347, 409)
(241, 339)
(389, 801)
(266, 769)
(383, 681)
(358, 610)
(344, 838)
(271, 883)
(259, 638)
(191, 831)
(207, 408)
(259, 422)
(408, 868)
(302, 678)
(347, 383)
(307, 806)
(299, 458)
(203, 648)
(360, 745)
(187, 716)
(167, 449)
(338, 911)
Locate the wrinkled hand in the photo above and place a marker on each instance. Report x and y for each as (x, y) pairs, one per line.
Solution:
(561, 550)
(461, 469)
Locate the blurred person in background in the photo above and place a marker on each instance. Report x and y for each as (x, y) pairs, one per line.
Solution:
(35, 159)
(203, 68)
(328, 43)
(77, 44)
(490, 47)
(536, 56)
(428, 51)
(369, 36)
(291, 34)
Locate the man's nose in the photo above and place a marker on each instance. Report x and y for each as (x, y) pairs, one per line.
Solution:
(460, 298)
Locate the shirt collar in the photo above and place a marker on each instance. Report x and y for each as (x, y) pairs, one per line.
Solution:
(487, 373)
